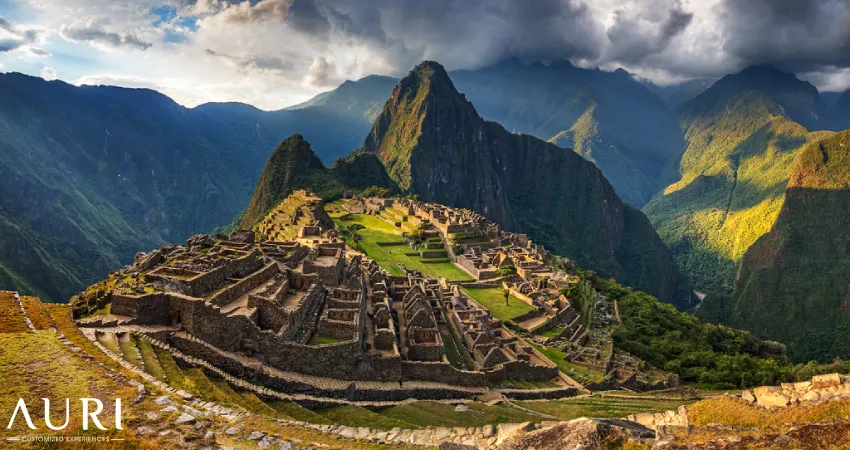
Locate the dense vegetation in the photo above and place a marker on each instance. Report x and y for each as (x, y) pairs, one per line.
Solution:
(794, 282)
(742, 137)
(712, 356)
(434, 144)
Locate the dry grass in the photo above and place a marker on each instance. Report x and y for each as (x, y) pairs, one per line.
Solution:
(39, 316)
(734, 412)
(11, 319)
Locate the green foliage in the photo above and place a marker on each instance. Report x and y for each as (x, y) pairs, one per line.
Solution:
(506, 271)
(374, 191)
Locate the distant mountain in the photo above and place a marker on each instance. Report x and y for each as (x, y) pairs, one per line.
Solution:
(94, 174)
(743, 134)
(293, 165)
(433, 143)
(676, 95)
(794, 281)
(610, 118)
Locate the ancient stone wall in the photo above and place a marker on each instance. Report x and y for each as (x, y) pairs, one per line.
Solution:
(441, 372)
(148, 309)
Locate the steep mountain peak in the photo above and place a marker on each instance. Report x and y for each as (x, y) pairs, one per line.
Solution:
(292, 164)
(424, 97)
(434, 144)
(428, 78)
(769, 87)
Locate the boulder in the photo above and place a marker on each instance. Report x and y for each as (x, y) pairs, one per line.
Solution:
(580, 434)
(200, 241)
(748, 397)
(242, 236)
(184, 418)
(825, 381)
(770, 396)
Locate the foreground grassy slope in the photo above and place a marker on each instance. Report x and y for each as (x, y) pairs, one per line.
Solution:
(743, 135)
(794, 282)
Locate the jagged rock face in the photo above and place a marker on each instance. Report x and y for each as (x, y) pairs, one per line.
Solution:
(794, 282)
(434, 144)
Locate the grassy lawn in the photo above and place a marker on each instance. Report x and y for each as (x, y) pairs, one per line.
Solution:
(128, 350)
(151, 362)
(355, 416)
(322, 340)
(37, 365)
(389, 257)
(494, 300)
(552, 332)
(581, 374)
(458, 357)
(39, 315)
(599, 407)
(425, 413)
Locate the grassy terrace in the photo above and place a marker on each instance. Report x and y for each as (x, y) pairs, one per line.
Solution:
(322, 340)
(581, 374)
(600, 407)
(389, 256)
(494, 300)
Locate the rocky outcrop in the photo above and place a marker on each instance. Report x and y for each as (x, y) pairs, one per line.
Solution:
(822, 388)
(580, 434)
(434, 144)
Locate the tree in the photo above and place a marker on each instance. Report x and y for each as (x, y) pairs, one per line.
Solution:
(506, 271)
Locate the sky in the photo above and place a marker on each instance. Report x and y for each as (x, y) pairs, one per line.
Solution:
(275, 53)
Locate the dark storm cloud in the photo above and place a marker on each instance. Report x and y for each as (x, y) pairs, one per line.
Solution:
(633, 38)
(97, 35)
(467, 33)
(797, 35)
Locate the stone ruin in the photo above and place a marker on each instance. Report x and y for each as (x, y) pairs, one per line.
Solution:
(273, 312)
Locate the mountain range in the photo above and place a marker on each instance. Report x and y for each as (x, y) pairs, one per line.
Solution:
(794, 282)
(95, 174)
(743, 135)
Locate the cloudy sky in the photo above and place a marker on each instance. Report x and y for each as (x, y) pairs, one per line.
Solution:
(274, 53)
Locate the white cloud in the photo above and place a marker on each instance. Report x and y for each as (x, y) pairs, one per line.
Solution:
(48, 73)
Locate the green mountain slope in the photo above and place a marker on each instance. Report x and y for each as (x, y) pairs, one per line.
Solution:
(293, 165)
(94, 174)
(434, 144)
(794, 282)
(743, 135)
